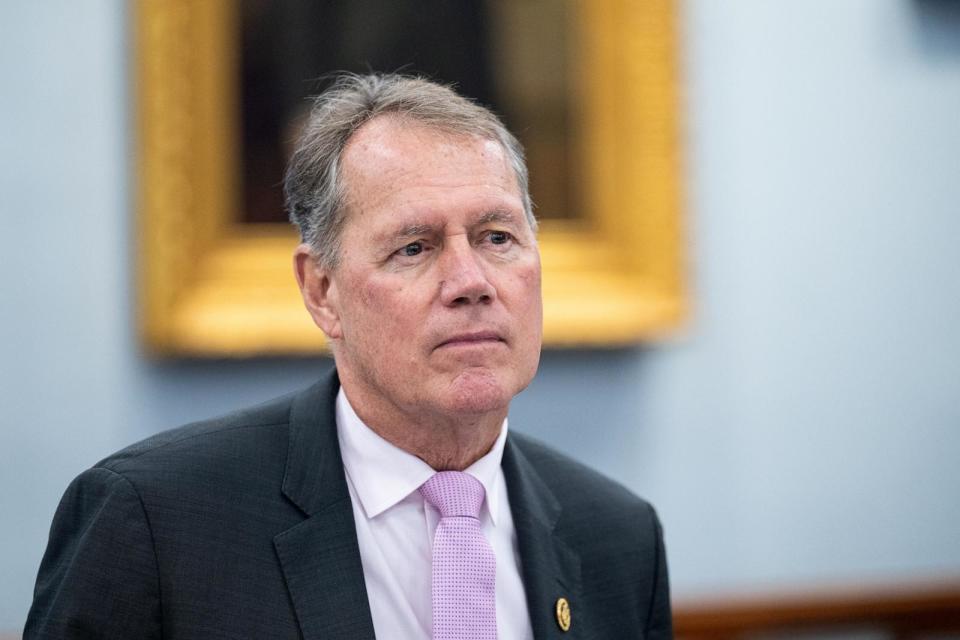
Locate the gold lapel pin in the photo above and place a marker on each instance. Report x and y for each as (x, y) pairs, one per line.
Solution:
(563, 614)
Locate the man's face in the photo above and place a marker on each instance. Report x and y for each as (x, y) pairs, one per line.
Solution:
(435, 306)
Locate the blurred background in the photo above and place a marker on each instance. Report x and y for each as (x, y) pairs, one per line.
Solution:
(800, 433)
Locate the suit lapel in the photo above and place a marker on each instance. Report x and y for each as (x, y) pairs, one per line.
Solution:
(550, 568)
(320, 556)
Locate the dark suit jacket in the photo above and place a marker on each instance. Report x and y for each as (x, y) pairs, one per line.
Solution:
(242, 527)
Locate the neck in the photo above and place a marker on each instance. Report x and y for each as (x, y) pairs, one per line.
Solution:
(444, 448)
(446, 443)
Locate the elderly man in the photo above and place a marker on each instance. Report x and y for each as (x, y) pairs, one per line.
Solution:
(388, 500)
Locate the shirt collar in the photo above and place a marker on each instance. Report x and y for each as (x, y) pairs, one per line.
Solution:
(384, 474)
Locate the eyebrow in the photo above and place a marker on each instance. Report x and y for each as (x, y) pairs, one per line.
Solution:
(415, 229)
(423, 228)
(497, 215)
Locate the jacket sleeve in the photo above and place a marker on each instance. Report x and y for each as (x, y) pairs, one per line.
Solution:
(659, 618)
(99, 575)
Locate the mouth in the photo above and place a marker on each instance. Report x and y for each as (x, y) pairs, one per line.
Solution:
(473, 339)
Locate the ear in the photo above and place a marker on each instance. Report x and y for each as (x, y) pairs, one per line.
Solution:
(318, 290)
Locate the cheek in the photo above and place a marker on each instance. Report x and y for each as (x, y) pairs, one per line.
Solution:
(532, 278)
(527, 284)
(530, 320)
(386, 307)
(533, 312)
(364, 304)
(377, 294)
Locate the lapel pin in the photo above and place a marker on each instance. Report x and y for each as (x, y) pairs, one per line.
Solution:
(563, 614)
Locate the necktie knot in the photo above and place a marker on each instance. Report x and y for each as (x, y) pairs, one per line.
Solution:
(454, 493)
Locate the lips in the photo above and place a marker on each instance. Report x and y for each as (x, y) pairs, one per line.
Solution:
(472, 338)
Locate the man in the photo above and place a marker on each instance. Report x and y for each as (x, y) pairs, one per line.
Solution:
(388, 499)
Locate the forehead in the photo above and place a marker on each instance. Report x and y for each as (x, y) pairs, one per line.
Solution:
(392, 158)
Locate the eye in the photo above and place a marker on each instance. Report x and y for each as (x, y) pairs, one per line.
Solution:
(499, 237)
(412, 249)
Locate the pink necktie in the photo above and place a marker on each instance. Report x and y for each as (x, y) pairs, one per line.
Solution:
(464, 568)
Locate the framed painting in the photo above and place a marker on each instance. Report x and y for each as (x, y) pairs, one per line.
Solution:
(589, 87)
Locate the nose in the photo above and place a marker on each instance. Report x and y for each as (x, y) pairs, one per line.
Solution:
(463, 279)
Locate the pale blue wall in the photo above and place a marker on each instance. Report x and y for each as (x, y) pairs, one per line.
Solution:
(805, 427)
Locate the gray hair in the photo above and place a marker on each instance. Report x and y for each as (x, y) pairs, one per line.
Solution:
(314, 191)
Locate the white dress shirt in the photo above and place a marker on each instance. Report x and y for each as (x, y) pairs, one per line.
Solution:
(395, 530)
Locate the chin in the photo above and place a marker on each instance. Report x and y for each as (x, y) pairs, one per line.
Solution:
(478, 391)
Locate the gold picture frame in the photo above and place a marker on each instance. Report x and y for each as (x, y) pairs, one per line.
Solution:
(212, 287)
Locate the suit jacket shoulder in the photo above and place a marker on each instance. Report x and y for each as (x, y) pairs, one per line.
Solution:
(174, 536)
(579, 488)
(212, 437)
